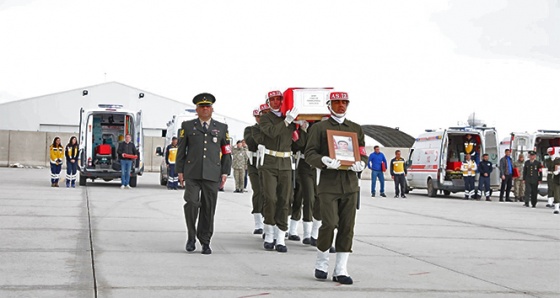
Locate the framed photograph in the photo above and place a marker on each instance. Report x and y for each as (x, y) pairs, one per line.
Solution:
(343, 145)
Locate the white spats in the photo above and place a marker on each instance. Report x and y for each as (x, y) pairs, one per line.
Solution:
(341, 262)
(322, 261)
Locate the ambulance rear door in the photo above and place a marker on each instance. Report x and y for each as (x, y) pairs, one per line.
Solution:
(139, 139)
(490, 146)
(441, 156)
(521, 143)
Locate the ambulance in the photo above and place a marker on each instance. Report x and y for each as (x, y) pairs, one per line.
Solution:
(539, 141)
(173, 130)
(436, 156)
(101, 130)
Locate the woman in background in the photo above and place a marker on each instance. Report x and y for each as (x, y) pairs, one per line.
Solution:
(56, 154)
(71, 153)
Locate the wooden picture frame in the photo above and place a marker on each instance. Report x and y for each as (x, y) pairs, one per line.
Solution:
(348, 154)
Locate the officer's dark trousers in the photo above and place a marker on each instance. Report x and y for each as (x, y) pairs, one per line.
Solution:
(484, 186)
(305, 192)
(277, 191)
(400, 184)
(506, 186)
(256, 186)
(338, 212)
(531, 191)
(201, 198)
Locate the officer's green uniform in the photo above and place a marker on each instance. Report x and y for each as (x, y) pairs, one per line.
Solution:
(549, 164)
(306, 184)
(276, 172)
(556, 182)
(337, 189)
(203, 157)
(248, 135)
(297, 198)
(532, 175)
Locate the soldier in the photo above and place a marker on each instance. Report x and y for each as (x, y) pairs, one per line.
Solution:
(485, 169)
(555, 156)
(239, 155)
(337, 190)
(170, 159)
(469, 171)
(518, 184)
(549, 164)
(300, 198)
(276, 170)
(249, 134)
(203, 162)
(532, 176)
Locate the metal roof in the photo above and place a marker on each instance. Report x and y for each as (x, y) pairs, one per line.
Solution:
(388, 136)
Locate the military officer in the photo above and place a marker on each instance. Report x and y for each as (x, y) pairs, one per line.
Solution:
(532, 176)
(249, 135)
(299, 197)
(337, 190)
(276, 170)
(555, 157)
(203, 162)
(549, 164)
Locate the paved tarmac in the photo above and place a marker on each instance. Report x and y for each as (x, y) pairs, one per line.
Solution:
(101, 241)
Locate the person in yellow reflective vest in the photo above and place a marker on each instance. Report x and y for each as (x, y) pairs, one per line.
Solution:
(170, 157)
(469, 171)
(56, 156)
(398, 173)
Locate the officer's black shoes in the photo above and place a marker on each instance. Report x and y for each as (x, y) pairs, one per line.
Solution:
(332, 250)
(396, 196)
(281, 248)
(556, 212)
(321, 275)
(383, 194)
(269, 245)
(313, 241)
(306, 241)
(190, 245)
(258, 231)
(526, 204)
(343, 279)
(501, 200)
(549, 205)
(488, 200)
(206, 250)
(294, 238)
(508, 200)
(403, 197)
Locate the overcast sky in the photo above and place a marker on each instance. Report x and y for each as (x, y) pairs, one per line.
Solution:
(409, 64)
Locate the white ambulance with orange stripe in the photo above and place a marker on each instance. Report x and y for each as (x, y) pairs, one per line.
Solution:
(435, 158)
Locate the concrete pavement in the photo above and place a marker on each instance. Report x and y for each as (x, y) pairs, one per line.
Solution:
(101, 241)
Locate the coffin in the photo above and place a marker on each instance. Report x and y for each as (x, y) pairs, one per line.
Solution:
(310, 102)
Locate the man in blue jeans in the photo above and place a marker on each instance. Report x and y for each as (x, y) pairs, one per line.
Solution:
(127, 149)
(375, 161)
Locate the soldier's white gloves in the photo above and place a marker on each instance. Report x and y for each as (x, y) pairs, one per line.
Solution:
(330, 163)
(358, 166)
(557, 172)
(291, 115)
(260, 154)
(303, 124)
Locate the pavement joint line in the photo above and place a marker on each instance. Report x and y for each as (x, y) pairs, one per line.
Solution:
(446, 268)
(92, 253)
(468, 223)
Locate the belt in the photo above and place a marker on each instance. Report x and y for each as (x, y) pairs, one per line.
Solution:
(252, 154)
(277, 153)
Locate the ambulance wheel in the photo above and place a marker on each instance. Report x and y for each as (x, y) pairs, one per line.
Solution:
(162, 181)
(446, 192)
(132, 181)
(432, 192)
(82, 180)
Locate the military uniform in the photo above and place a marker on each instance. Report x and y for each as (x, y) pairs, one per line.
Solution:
(276, 173)
(337, 193)
(257, 199)
(518, 184)
(532, 176)
(203, 157)
(239, 164)
(299, 199)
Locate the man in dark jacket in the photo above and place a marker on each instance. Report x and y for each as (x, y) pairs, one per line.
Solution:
(506, 173)
(203, 161)
(127, 153)
(485, 169)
